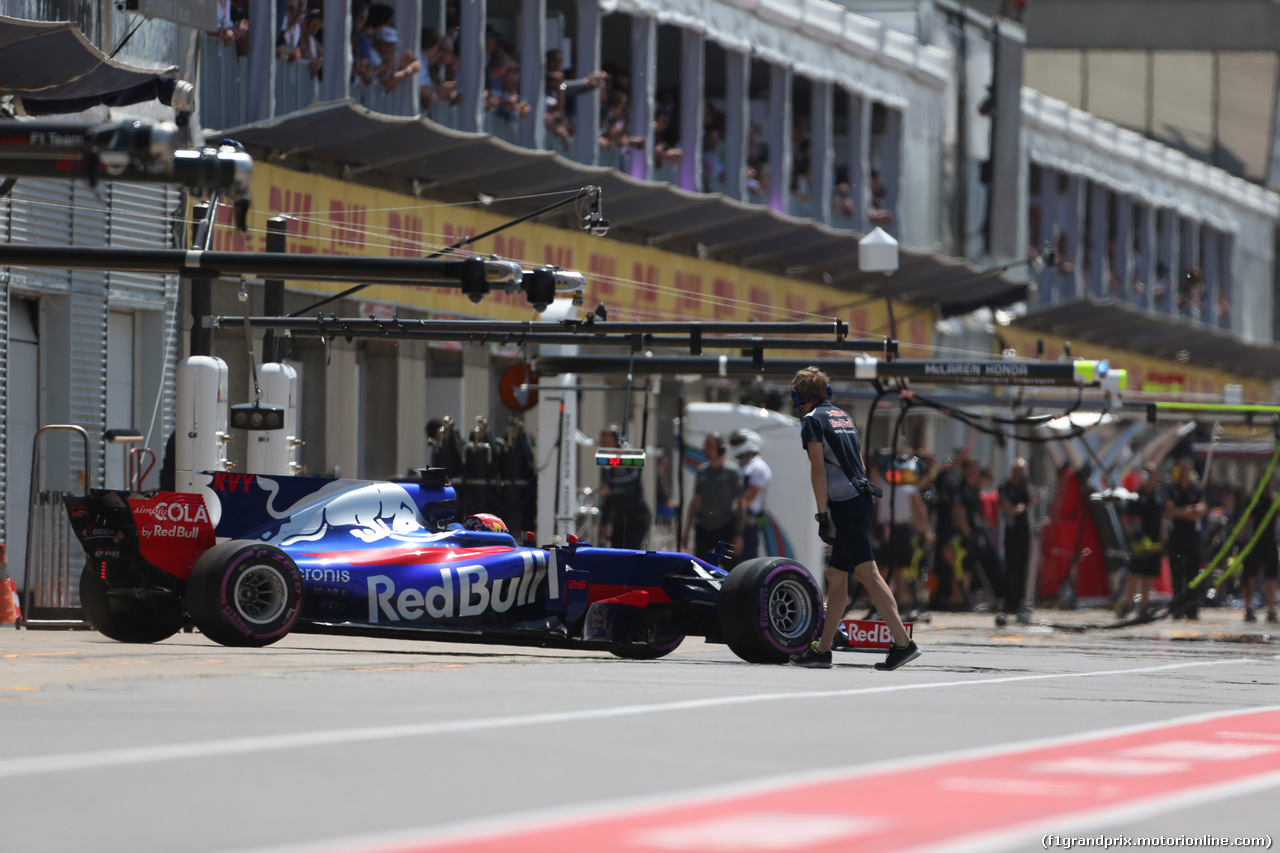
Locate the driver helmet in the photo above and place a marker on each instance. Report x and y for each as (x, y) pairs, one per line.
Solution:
(486, 522)
(745, 441)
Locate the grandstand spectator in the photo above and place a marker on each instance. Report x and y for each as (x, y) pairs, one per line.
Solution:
(801, 186)
(878, 214)
(363, 57)
(713, 159)
(1160, 288)
(614, 133)
(395, 66)
(443, 73)
(495, 70)
(233, 21)
(842, 195)
(291, 31)
(311, 46)
(666, 136)
(512, 107)
(380, 15)
(561, 96)
(428, 49)
(757, 165)
(1191, 294)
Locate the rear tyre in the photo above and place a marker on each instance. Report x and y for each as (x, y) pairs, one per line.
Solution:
(769, 609)
(125, 618)
(244, 593)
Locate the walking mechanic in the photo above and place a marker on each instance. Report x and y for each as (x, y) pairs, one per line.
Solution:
(846, 507)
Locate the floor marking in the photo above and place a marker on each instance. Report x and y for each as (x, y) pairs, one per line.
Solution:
(1199, 750)
(880, 808)
(124, 756)
(1094, 766)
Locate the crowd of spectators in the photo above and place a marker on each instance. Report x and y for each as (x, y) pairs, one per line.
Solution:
(381, 61)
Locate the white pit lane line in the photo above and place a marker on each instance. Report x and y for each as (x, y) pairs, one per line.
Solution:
(136, 755)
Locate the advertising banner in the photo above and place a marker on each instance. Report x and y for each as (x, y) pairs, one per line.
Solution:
(1146, 374)
(328, 216)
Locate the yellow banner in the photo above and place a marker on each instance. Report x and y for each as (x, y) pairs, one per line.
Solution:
(332, 217)
(1147, 374)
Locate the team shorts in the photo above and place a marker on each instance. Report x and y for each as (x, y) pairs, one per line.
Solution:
(897, 552)
(852, 519)
(1264, 560)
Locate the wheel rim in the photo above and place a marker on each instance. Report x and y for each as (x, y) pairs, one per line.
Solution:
(790, 610)
(260, 594)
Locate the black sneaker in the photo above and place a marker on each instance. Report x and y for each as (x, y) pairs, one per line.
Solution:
(899, 655)
(811, 658)
(1271, 617)
(1249, 616)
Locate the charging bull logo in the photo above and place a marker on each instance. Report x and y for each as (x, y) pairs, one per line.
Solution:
(370, 513)
(464, 591)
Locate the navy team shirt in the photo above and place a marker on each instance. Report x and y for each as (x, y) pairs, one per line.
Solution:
(841, 449)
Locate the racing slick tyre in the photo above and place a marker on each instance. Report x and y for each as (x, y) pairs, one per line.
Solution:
(244, 593)
(124, 618)
(769, 609)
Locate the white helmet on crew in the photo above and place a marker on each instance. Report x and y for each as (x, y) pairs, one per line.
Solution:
(744, 441)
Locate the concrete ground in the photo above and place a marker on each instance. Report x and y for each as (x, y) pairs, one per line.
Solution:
(333, 743)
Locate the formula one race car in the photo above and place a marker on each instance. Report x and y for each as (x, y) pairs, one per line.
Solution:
(250, 558)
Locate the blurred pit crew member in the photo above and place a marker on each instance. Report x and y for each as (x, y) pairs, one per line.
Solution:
(756, 474)
(624, 516)
(715, 511)
(1185, 508)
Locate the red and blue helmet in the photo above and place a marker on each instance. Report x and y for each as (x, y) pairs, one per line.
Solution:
(486, 522)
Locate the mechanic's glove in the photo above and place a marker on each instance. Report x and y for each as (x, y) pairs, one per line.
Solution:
(826, 528)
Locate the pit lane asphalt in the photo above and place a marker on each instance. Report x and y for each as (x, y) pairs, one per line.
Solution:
(189, 746)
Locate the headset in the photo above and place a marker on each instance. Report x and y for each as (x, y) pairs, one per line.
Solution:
(799, 400)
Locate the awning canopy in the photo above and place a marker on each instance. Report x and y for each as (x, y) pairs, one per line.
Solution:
(745, 234)
(1129, 327)
(55, 70)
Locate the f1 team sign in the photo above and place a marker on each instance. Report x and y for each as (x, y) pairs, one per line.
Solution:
(868, 635)
(173, 530)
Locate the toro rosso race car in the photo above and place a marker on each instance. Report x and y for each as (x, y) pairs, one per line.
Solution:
(250, 558)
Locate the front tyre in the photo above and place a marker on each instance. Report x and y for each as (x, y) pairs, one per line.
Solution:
(769, 609)
(125, 618)
(244, 593)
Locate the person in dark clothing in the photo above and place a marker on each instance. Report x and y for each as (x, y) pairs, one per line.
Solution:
(1146, 544)
(846, 508)
(715, 511)
(1262, 561)
(1184, 506)
(1017, 502)
(970, 544)
(624, 516)
(948, 589)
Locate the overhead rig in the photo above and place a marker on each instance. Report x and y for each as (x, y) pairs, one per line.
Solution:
(475, 276)
(1247, 414)
(968, 372)
(124, 150)
(636, 336)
